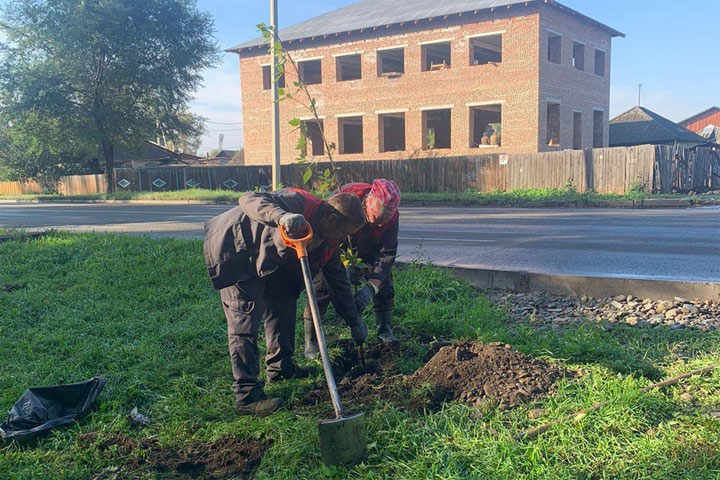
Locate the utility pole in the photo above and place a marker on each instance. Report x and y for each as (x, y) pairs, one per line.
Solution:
(276, 105)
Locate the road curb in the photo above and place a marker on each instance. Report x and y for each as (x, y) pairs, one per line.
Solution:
(578, 286)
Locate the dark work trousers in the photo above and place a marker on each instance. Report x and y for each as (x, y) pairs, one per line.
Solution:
(382, 302)
(272, 300)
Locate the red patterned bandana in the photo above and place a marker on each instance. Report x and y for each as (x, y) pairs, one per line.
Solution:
(382, 201)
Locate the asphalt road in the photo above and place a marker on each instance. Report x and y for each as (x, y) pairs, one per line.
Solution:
(658, 244)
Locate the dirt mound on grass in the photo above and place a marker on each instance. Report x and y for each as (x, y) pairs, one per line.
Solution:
(471, 372)
(474, 372)
(227, 457)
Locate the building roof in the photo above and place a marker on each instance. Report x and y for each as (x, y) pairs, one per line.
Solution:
(367, 14)
(639, 126)
(698, 116)
(711, 133)
(225, 154)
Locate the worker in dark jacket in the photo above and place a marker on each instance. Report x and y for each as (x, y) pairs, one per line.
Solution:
(376, 245)
(260, 279)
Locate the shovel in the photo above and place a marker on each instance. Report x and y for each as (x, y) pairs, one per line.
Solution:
(342, 439)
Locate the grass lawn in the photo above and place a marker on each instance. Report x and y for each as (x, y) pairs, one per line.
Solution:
(142, 313)
(512, 198)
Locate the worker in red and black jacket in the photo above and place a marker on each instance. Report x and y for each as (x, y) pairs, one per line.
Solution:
(260, 279)
(376, 244)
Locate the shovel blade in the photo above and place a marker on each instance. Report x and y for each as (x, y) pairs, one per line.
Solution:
(342, 440)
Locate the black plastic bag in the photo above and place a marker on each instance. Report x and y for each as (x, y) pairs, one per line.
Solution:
(43, 408)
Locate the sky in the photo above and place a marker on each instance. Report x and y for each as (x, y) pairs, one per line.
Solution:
(671, 47)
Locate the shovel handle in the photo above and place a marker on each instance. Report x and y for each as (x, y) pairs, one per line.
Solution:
(299, 244)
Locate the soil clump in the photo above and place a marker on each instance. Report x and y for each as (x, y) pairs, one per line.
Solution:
(226, 457)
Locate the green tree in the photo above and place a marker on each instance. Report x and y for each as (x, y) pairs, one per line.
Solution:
(24, 155)
(101, 74)
(187, 136)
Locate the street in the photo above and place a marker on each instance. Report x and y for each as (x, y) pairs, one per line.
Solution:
(656, 244)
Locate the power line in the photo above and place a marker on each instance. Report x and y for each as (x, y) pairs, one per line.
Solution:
(224, 123)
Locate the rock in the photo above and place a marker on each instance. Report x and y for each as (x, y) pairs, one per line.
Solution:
(672, 313)
(686, 397)
(584, 299)
(616, 304)
(662, 307)
(689, 308)
(137, 419)
(620, 298)
(680, 300)
(632, 321)
(644, 324)
(537, 413)
(630, 298)
(677, 326)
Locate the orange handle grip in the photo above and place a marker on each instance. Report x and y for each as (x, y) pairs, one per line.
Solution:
(299, 244)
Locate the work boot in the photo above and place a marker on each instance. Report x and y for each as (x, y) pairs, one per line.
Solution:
(260, 407)
(384, 328)
(311, 346)
(295, 372)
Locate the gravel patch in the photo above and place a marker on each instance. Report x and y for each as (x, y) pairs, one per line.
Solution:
(544, 310)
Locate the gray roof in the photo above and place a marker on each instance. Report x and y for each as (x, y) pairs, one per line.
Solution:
(379, 13)
(639, 126)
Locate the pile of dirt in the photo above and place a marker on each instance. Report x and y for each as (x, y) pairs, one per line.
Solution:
(227, 457)
(470, 372)
(474, 372)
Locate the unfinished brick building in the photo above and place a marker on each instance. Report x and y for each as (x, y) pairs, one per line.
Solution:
(419, 77)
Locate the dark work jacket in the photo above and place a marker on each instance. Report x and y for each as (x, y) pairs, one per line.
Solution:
(244, 243)
(376, 245)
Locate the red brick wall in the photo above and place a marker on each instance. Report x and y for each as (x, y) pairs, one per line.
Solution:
(516, 83)
(697, 124)
(576, 90)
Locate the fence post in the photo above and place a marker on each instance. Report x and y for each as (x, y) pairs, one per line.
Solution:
(589, 172)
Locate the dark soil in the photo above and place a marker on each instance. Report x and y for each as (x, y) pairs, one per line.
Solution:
(8, 287)
(474, 372)
(227, 457)
(470, 372)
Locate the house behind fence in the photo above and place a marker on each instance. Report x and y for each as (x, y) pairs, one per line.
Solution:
(652, 168)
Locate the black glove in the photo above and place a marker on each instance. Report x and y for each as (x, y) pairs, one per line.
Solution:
(355, 275)
(364, 297)
(295, 224)
(359, 333)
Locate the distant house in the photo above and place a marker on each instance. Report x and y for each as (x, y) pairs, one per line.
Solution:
(154, 155)
(222, 157)
(698, 122)
(640, 126)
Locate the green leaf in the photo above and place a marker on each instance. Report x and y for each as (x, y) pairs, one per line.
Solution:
(295, 122)
(307, 175)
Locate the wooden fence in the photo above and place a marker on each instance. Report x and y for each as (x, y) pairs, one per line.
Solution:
(605, 170)
(68, 185)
